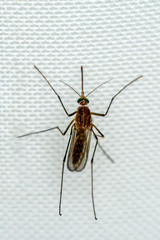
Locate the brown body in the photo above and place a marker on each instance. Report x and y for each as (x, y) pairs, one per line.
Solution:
(83, 119)
(80, 143)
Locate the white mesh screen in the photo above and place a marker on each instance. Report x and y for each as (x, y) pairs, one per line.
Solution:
(111, 39)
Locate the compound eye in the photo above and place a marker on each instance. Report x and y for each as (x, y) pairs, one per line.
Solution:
(87, 100)
(79, 99)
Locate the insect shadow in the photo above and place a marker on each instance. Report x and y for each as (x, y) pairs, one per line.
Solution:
(80, 134)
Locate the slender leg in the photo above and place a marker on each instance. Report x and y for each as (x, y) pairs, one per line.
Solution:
(49, 129)
(101, 135)
(64, 159)
(106, 154)
(69, 114)
(92, 175)
(103, 115)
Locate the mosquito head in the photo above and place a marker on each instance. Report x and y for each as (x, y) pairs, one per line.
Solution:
(83, 100)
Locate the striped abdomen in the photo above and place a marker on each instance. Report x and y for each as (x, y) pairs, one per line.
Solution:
(79, 149)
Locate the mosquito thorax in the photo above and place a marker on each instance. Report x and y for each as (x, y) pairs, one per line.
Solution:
(83, 101)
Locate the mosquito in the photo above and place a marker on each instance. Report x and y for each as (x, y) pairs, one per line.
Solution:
(81, 128)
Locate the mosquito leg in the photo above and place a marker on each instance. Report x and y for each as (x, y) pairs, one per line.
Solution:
(64, 159)
(101, 134)
(49, 129)
(112, 99)
(105, 153)
(69, 114)
(92, 175)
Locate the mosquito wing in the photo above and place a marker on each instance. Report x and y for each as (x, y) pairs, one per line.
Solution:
(79, 149)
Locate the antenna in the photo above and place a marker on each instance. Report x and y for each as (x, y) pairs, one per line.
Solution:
(82, 80)
(98, 87)
(71, 88)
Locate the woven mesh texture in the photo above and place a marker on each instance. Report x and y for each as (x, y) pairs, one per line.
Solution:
(116, 40)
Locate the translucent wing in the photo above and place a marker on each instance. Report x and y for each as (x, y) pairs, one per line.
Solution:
(79, 149)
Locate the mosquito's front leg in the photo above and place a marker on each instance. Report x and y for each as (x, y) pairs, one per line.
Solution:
(104, 114)
(49, 129)
(69, 114)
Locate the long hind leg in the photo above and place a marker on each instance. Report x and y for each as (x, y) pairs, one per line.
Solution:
(92, 192)
(64, 159)
(104, 152)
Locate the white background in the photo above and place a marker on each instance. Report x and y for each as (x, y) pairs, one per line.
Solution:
(111, 39)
